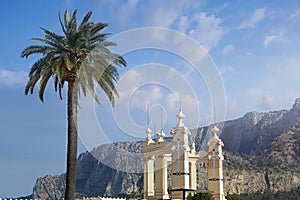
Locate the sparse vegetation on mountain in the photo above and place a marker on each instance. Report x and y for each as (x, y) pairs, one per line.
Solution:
(246, 174)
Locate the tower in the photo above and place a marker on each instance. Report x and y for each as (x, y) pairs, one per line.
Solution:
(215, 165)
(180, 153)
(148, 168)
(183, 159)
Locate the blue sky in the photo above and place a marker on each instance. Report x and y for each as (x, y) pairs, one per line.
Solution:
(255, 46)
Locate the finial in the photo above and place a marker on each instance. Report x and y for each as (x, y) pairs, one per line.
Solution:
(149, 138)
(148, 131)
(215, 131)
(161, 135)
(180, 103)
(193, 148)
(180, 116)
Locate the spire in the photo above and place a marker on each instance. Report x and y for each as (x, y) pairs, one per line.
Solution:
(148, 130)
(215, 114)
(180, 103)
(161, 136)
(161, 133)
(193, 148)
(215, 131)
(148, 115)
(161, 118)
(149, 137)
(180, 116)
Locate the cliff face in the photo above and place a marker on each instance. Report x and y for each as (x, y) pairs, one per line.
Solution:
(49, 187)
(111, 169)
(249, 181)
(97, 174)
(253, 132)
(262, 153)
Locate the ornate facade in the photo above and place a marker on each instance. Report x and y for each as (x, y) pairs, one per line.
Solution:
(170, 166)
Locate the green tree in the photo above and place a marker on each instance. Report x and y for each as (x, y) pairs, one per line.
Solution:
(80, 57)
(200, 196)
(233, 197)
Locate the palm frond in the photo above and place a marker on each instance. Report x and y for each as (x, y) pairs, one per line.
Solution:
(37, 66)
(52, 44)
(97, 27)
(63, 27)
(81, 53)
(85, 20)
(99, 38)
(44, 80)
(33, 49)
(31, 83)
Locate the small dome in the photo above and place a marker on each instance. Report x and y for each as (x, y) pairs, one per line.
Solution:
(215, 130)
(180, 115)
(148, 130)
(162, 134)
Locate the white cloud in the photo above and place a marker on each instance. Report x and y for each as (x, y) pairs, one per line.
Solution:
(121, 13)
(226, 69)
(10, 78)
(131, 80)
(227, 49)
(163, 17)
(161, 13)
(207, 31)
(188, 102)
(144, 97)
(204, 28)
(268, 39)
(190, 107)
(221, 8)
(294, 16)
(258, 15)
(183, 16)
(281, 79)
(172, 102)
(183, 24)
(268, 102)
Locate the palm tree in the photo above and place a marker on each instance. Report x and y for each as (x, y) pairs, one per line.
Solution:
(80, 57)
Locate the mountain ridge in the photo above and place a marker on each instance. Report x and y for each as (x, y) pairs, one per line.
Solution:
(259, 148)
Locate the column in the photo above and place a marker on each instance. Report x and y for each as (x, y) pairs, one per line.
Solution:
(161, 177)
(149, 177)
(180, 174)
(193, 175)
(215, 178)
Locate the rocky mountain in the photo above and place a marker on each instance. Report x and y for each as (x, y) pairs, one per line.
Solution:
(253, 132)
(275, 169)
(262, 152)
(49, 187)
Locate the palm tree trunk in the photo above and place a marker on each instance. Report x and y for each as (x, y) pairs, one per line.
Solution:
(72, 140)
